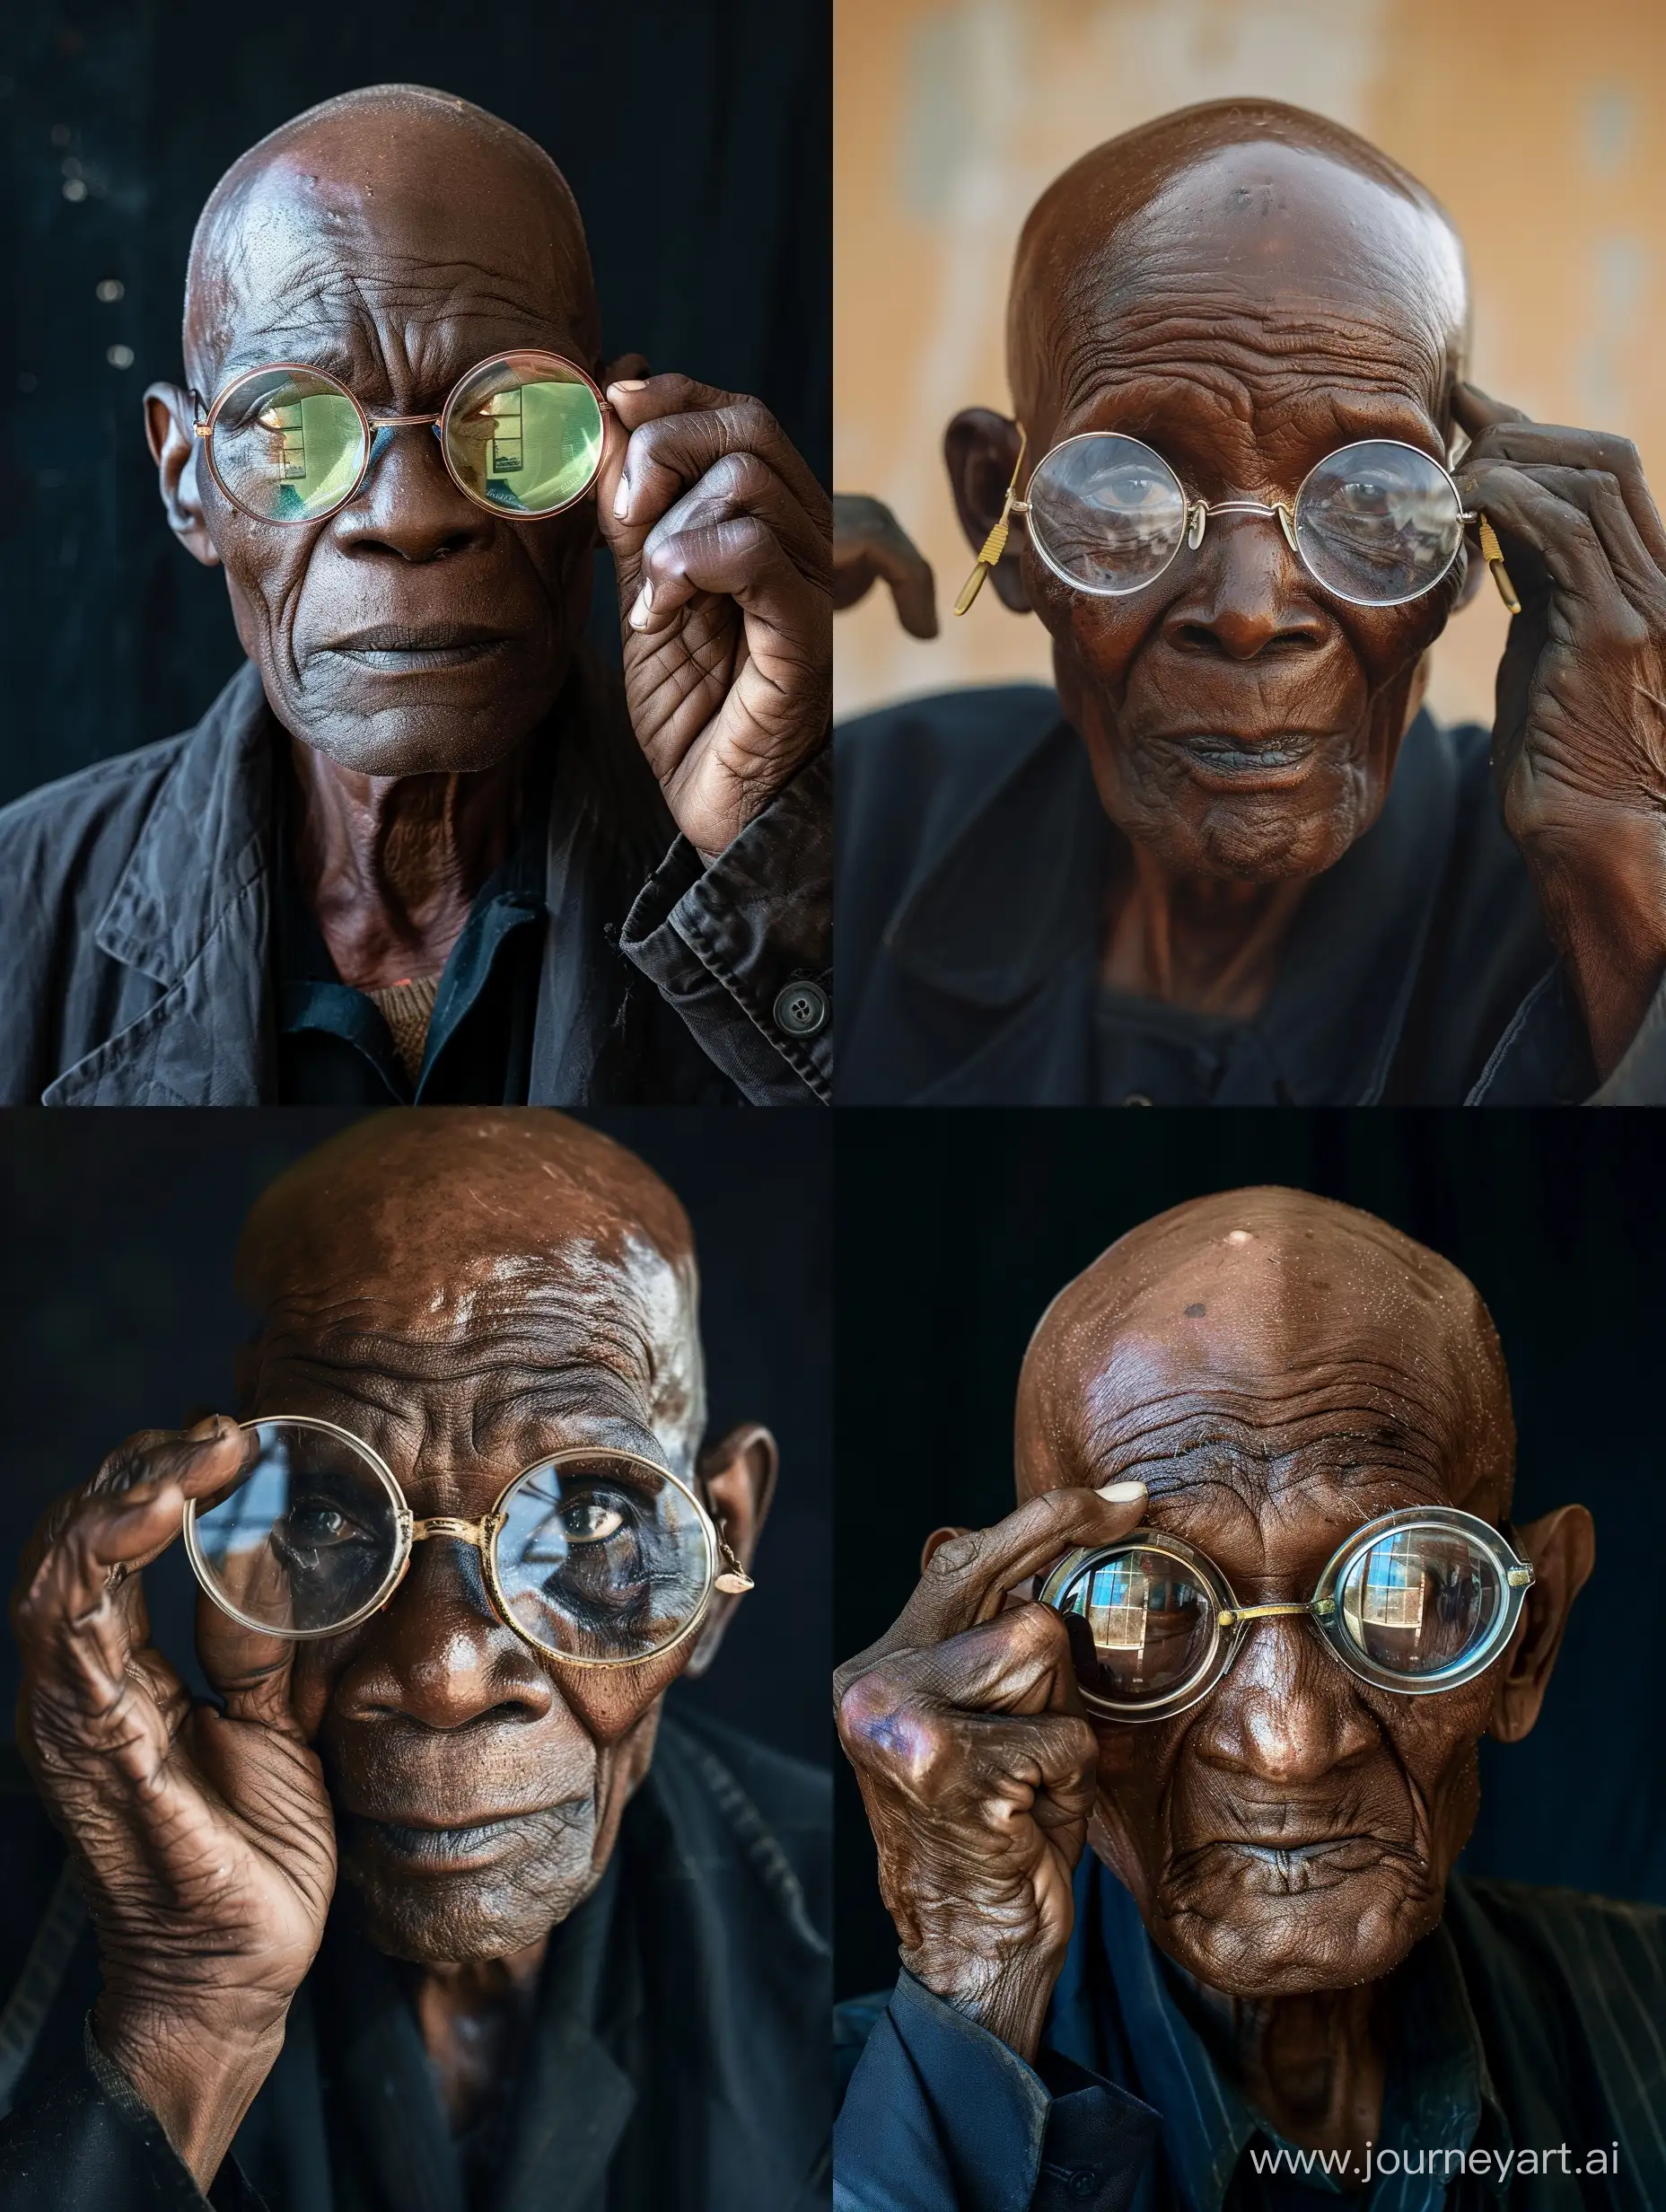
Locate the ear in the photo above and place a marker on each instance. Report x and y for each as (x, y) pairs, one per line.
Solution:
(980, 451)
(170, 415)
(1563, 1547)
(737, 1477)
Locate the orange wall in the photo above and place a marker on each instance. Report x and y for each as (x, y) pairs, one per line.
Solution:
(1541, 124)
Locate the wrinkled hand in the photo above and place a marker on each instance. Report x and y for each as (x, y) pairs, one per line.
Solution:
(869, 543)
(204, 1841)
(720, 535)
(977, 1765)
(1578, 743)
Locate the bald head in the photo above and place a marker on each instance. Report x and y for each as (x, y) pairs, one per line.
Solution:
(1246, 206)
(447, 1237)
(1267, 1340)
(390, 179)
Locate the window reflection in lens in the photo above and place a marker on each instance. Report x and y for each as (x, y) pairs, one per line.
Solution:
(1378, 522)
(288, 444)
(601, 1558)
(1153, 1627)
(524, 434)
(1420, 1600)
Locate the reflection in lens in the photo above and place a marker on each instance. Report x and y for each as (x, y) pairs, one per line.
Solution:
(307, 1536)
(601, 1559)
(1378, 522)
(1153, 1626)
(1419, 1600)
(1107, 513)
(288, 444)
(524, 434)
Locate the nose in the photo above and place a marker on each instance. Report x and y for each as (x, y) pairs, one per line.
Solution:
(439, 1656)
(1285, 1714)
(1246, 594)
(408, 507)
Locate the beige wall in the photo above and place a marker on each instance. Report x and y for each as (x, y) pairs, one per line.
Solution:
(1540, 123)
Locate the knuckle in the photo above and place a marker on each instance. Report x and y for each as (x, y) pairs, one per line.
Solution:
(954, 1556)
(747, 422)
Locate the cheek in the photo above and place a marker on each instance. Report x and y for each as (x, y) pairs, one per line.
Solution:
(609, 1701)
(265, 571)
(1099, 639)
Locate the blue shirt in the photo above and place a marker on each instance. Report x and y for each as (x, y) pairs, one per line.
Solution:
(1527, 2071)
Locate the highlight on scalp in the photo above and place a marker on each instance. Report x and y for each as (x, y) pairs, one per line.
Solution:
(1428, 1308)
(428, 1199)
(1102, 195)
(211, 271)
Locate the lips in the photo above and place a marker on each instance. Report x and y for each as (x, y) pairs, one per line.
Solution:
(402, 647)
(1274, 762)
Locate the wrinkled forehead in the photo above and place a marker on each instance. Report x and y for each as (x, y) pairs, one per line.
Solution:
(1270, 1364)
(1266, 276)
(362, 248)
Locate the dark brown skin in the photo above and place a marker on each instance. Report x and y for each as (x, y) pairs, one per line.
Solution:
(1260, 1372)
(1247, 286)
(413, 643)
(466, 1293)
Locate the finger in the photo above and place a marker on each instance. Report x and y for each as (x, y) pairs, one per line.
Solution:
(742, 484)
(953, 1760)
(1599, 495)
(870, 543)
(1475, 410)
(739, 559)
(1547, 445)
(1563, 535)
(969, 1576)
(677, 430)
(1018, 1663)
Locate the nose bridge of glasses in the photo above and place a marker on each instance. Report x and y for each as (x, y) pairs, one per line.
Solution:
(1199, 512)
(479, 1533)
(1233, 1616)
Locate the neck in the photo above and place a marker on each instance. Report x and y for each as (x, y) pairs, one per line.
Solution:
(1202, 942)
(1311, 2066)
(391, 865)
(473, 2019)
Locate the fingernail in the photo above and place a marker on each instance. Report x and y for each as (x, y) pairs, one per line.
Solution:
(643, 607)
(207, 1431)
(629, 383)
(1122, 1493)
(621, 498)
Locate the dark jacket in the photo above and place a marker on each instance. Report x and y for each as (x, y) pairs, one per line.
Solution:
(1526, 2074)
(678, 2061)
(136, 910)
(973, 858)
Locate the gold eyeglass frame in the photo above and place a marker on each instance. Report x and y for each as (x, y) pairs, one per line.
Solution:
(1197, 513)
(1230, 1619)
(724, 1570)
(203, 429)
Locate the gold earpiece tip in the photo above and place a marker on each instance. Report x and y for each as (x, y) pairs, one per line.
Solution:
(733, 1582)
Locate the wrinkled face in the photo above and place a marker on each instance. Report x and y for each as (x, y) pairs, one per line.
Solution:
(478, 1786)
(1295, 1829)
(1267, 307)
(412, 631)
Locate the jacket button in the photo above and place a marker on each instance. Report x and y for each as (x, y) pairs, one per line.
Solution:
(802, 1009)
(1085, 2183)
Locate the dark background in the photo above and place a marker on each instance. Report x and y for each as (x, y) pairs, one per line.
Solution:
(696, 134)
(116, 1313)
(956, 1230)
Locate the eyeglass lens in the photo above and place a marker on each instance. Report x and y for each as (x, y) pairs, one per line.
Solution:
(1419, 1600)
(522, 434)
(1375, 523)
(602, 1559)
(1151, 1626)
(305, 1539)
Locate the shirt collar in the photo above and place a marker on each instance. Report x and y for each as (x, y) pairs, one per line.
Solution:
(1439, 2093)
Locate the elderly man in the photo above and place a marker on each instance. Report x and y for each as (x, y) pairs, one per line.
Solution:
(1264, 1456)
(463, 1544)
(422, 847)
(1228, 861)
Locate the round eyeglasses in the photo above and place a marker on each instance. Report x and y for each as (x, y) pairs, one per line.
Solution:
(1417, 1602)
(1375, 523)
(595, 1557)
(522, 435)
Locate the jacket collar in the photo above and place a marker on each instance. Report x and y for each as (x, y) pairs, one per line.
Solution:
(1005, 919)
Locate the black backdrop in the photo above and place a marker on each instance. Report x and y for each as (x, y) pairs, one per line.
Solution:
(116, 1313)
(956, 1229)
(697, 135)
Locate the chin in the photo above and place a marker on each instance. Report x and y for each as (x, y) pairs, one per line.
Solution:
(437, 1917)
(1258, 1924)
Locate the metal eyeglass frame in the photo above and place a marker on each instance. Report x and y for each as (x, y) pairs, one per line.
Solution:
(1197, 513)
(724, 1571)
(204, 426)
(1232, 1619)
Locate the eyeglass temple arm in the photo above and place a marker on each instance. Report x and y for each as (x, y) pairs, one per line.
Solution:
(995, 544)
(1518, 1578)
(1492, 553)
